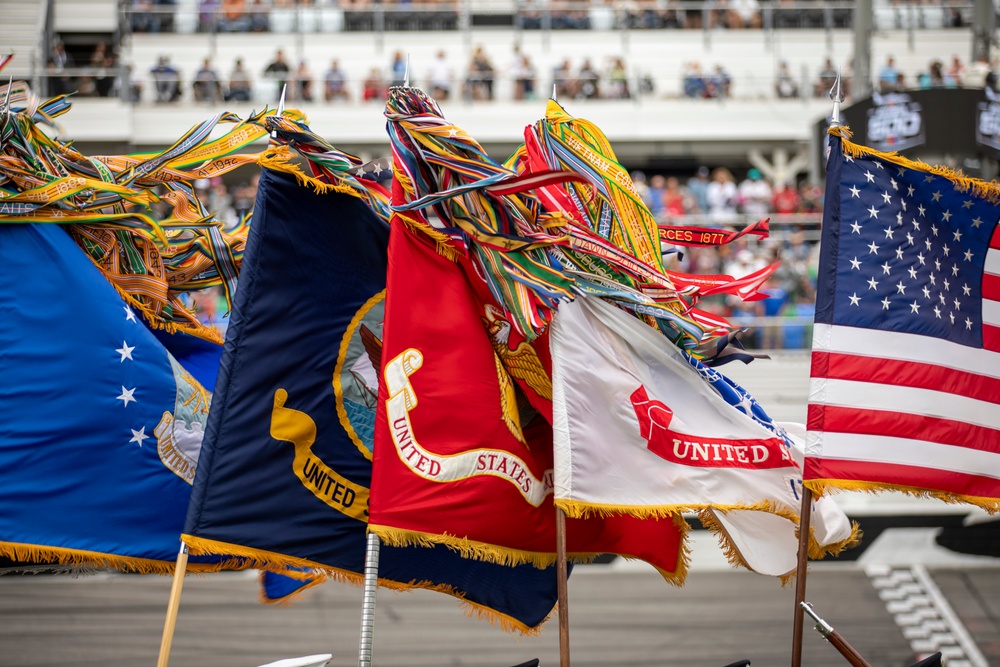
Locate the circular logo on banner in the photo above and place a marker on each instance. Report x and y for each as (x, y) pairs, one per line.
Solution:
(356, 377)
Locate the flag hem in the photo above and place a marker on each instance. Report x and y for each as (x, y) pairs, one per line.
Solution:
(822, 486)
(81, 557)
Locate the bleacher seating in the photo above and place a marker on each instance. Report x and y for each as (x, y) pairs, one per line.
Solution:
(655, 122)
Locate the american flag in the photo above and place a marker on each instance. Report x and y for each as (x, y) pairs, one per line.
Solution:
(905, 380)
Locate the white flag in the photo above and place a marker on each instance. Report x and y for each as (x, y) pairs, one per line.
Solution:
(638, 431)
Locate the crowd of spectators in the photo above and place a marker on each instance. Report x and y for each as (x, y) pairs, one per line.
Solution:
(89, 72)
(292, 15)
(979, 74)
(477, 81)
(707, 197)
(715, 198)
(699, 83)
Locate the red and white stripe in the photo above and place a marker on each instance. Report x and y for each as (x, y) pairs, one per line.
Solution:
(904, 410)
(991, 294)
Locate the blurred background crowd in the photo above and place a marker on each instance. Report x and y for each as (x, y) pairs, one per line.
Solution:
(710, 197)
(95, 71)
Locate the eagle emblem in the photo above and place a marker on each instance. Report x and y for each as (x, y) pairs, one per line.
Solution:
(518, 363)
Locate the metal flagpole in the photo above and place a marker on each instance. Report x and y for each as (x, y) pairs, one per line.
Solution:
(561, 586)
(805, 512)
(172, 606)
(368, 603)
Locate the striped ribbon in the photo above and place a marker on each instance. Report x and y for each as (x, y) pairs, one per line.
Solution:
(152, 247)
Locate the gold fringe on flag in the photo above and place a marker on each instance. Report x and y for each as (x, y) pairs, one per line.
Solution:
(35, 554)
(988, 190)
(822, 486)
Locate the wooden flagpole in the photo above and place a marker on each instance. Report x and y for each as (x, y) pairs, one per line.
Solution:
(805, 514)
(172, 606)
(368, 604)
(562, 588)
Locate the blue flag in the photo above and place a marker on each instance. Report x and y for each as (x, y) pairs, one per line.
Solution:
(101, 426)
(286, 463)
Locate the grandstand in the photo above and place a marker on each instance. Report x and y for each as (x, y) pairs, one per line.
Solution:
(656, 126)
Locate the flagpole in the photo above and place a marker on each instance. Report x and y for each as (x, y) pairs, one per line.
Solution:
(172, 606)
(561, 586)
(805, 513)
(368, 604)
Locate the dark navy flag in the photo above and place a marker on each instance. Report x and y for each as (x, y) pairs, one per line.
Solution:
(906, 370)
(101, 426)
(286, 465)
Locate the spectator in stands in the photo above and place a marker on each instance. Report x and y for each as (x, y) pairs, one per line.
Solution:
(207, 87)
(106, 71)
(811, 198)
(531, 15)
(676, 202)
(277, 71)
(335, 83)
(888, 76)
(827, 77)
(145, 17)
(522, 72)
(397, 69)
(240, 85)
(755, 195)
(641, 186)
(743, 14)
(303, 82)
(566, 17)
(589, 81)
(936, 77)
(479, 78)
(440, 76)
(233, 16)
(618, 79)
(657, 188)
(165, 10)
(243, 197)
(166, 80)
(778, 296)
(208, 15)
(979, 74)
(956, 70)
(373, 88)
(785, 85)
(85, 86)
(719, 84)
(744, 262)
(99, 55)
(698, 187)
(563, 80)
(786, 199)
(259, 12)
(722, 196)
(693, 82)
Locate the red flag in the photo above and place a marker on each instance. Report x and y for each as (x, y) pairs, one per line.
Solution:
(457, 460)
